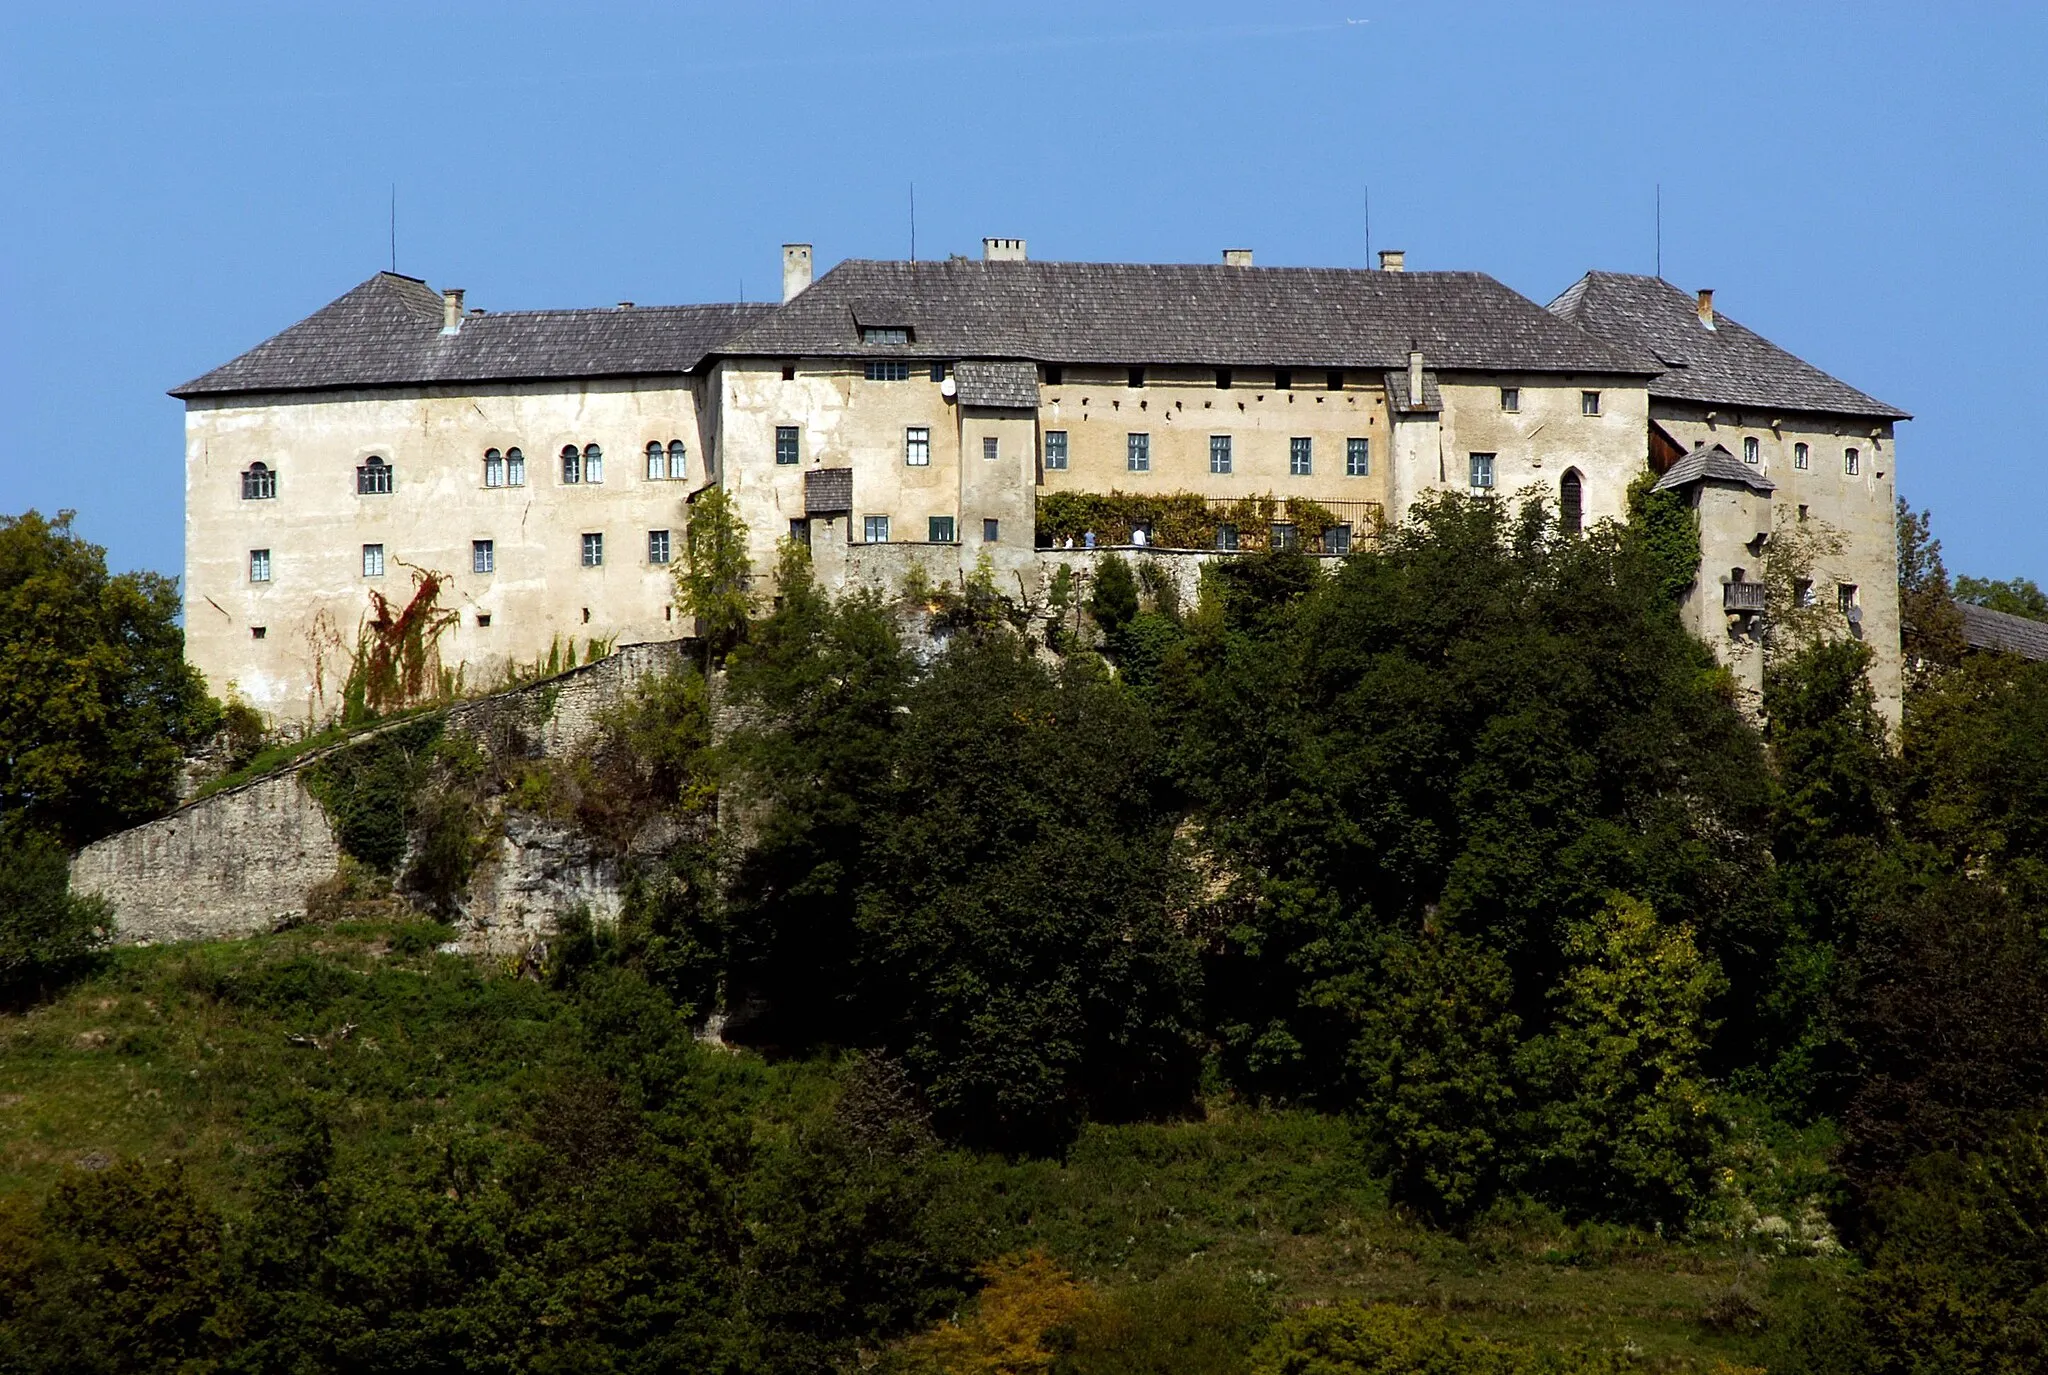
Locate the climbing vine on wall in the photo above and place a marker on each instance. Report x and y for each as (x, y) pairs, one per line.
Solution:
(370, 790)
(398, 651)
(1179, 520)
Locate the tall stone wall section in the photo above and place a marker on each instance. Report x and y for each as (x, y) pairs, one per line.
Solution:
(246, 859)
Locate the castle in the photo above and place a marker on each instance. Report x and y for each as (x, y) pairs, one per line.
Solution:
(541, 464)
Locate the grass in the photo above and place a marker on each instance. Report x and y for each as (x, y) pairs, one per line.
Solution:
(183, 1051)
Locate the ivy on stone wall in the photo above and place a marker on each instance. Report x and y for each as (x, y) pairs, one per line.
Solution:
(371, 790)
(1178, 520)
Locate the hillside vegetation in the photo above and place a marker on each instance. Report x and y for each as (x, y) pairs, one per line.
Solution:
(1424, 965)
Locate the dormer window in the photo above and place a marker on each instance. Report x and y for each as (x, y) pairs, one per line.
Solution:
(884, 334)
(373, 478)
(259, 483)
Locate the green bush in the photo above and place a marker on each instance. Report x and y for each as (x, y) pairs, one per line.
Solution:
(1378, 1339)
(46, 932)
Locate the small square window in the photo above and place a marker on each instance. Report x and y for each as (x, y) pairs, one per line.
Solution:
(1301, 457)
(1219, 453)
(1055, 449)
(1357, 457)
(800, 530)
(373, 478)
(657, 546)
(1852, 462)
(1752, 450)
(888, 370)
(1285, 537)
(593, 551)
(1138, 453)
(1482, 472)
(1802, 457)
(939, 529)
(1511, 399)
(259, 565)
(875, 529)
(1055, 377)
(1137, 377)
(990, 448)
(1337, 540)
(785, 444)
(1333, 380)
(482, 556)
(1223, 379)
(1589, 403)
(1226, 537)
(257, 632)
(373, 560)
(991, 530)
(483, 620)
(1283, 380)
(917, 445)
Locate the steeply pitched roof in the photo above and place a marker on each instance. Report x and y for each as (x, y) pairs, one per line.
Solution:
(1713, 465)
(1010, 386)
(1430, 403)
(1984, 628)
(387, 332)
(1727, 365)
(1202, 315)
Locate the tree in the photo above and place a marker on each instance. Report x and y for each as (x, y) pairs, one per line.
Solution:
(1930, 627)
(44, 930)
(713, 579)
(97, 704)
(2014, 596)
(1114, 599)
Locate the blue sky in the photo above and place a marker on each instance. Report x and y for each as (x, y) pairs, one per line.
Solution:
(1866, 185)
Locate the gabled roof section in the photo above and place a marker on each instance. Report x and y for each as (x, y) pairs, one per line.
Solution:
(1202, 315)
(1714, 465)
(387, 332)
(1727, 365)
(2003, 632)
(1004, 386)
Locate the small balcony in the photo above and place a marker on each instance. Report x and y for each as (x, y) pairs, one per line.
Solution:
(1743, 598)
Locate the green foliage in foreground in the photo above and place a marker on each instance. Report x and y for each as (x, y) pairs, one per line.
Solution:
(46, 932)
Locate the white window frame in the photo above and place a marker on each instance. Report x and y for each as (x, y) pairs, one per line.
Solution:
(660, 548)
(373, 560)
(483, 556)
(1138, 452)
(1752, 449)
(572, 465)
(1481, 467)
(515, 467)
(593, 549)
(657, 461)
(1221, 455)
(494, 468)
(917, 446)
(874, 529)
(1852, 461)
(1056, 450)
(259, 565)
(1802, 456)
(1301, 456)
(796, 445)
(1357, 457)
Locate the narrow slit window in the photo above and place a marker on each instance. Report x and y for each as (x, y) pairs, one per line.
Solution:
(257, 632)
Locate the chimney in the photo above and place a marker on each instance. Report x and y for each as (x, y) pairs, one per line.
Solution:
(796, 270)
(1707, 306)
(1237, 257)
(625, 305)
(1414, 378)
(1393, 260)
(1002, 250)
(451, 310)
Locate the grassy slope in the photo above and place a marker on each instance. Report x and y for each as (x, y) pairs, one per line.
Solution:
(175, 1052)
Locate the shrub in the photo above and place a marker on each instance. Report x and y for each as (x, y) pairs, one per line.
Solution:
(45, 931)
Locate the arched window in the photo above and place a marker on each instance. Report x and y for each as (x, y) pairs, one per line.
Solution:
(657, 461)
(1571, 502)
(572, 464)
(593, 463)
(373, 477)
(258, 483)
(1751, 449)
(678, 460)
(515, 468)
(494, 468)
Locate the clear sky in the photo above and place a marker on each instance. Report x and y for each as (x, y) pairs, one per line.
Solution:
(1866, 185)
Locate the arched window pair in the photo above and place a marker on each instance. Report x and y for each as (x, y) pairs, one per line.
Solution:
(259, 483)
(584, 465)
(666, 464)
(373, 478)
(1571, 502)
(504, 470)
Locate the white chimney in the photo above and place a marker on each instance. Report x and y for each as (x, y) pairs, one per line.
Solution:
(1414, 378)
(1002, 250)
(796, 269)
(1393, 260)
(1707, 306)
(1237, 257)
(451, 310)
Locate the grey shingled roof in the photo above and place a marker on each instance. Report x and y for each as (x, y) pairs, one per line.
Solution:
(828, 491)
(1984, 628)
(1398, 399)
(1202, 315)
(1713, 465)
(1011, 386)
(387, 332)
(1727, 365)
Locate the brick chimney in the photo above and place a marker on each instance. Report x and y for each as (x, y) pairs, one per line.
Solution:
(1002, 250)
(796, 269)
(451, 310)
(1393, 260)
(1237, 257)
(1706, 306)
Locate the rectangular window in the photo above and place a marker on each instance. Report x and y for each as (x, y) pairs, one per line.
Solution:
(1301, 457)
(1219, 453)
(483, 620)
(938, 372)
(1284, 537)
(657, 546)
(1138, 453)
(483, 556)
(785, 444)
(257, 632)
(1056, 449)
(800, 530)
(1337, 540)
(593, 551)
(1802, 457)
(1511, 399)
(373, 560)
(1137, 377)
(940, 529)
(990, 448)
(1802, 591)
(1589, 403)
(1482, 471)
(991, 530)
(1358, 457)
(259, 565)
(1226, 537)
(873, 334)
(1845, 598)
(1752, 451)
(1333, 380)
(1852, 462)
(1283, 380)
(917, 446)
(888, 370)
(875, 529)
